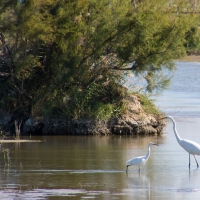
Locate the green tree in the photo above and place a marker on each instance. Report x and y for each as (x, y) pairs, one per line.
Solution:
(70, 57)
(192, 43)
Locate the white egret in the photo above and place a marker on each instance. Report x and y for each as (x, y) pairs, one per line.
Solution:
(190, 146)
(139, 160)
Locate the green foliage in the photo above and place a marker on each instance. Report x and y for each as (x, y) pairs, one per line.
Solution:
(156, 39)
(67, 58)
(192, 43)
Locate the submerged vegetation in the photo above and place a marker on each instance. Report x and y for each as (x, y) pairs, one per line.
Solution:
(68, 59)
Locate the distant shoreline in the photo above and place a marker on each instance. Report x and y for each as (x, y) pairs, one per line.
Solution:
(191, 58)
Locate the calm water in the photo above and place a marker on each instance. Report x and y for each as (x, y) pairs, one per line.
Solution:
(183, 96)
(94, 167)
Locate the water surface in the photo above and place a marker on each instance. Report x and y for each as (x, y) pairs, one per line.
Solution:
(183, 96)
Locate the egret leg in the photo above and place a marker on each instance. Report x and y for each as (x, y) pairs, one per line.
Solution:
(127, 168)
(189, 160)
(196, 161)
(139, 170)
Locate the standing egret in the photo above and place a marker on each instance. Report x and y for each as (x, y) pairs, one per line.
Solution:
(190, 146)
(139, 160)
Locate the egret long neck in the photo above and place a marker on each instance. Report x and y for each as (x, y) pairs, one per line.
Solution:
(148, 153)
(175, 131)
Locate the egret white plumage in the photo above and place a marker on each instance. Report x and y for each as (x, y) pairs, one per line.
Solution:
(139, 160)
(190, 146)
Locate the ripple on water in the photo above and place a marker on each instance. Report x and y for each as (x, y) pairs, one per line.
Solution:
(75, 171)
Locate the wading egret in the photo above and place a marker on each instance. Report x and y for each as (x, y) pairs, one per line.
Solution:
(139, 160)
(190, 146)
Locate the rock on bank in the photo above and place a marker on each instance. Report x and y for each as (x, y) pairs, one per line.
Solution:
(134, 122)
